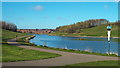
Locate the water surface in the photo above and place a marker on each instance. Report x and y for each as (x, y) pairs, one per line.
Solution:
(89, 44)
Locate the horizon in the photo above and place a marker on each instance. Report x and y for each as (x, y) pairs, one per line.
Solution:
(49, 15)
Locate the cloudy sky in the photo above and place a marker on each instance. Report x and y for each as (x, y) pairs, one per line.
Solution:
(31, 15)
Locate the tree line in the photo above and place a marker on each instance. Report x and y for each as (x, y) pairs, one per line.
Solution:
(76, 28)
(8, 26)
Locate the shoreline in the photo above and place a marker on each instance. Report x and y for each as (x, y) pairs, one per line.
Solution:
(83, 36)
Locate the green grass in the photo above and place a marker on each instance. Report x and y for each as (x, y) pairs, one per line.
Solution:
(13, 53)
(94, 31)
(97, 63)
(100, 31)
(94, 64)
(6, 34)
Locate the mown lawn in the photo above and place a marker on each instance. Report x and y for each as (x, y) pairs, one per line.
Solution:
(97, 63)
(94, 64)
(13, 53)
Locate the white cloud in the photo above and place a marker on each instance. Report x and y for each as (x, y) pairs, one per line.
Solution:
(38, 7)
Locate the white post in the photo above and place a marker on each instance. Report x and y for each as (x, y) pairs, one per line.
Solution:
(109, 31)
(109, 35)
(109, 42)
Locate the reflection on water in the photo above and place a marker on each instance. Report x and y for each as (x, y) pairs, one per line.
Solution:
(89, 44)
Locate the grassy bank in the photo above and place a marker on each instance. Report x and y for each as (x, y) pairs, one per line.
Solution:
(99, 31)
(75, 51)
(13, 53)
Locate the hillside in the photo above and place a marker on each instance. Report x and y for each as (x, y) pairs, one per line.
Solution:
(100, 31)
(94, 31)
(92, 27)
(75, 28)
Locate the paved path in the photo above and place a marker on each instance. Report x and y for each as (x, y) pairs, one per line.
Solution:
(65, 59)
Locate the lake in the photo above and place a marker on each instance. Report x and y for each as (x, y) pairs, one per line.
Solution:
(90, 44)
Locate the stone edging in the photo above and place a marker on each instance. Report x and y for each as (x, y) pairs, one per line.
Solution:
(28, 38)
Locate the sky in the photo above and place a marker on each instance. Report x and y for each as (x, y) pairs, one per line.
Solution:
(49, 15)
(60, 0)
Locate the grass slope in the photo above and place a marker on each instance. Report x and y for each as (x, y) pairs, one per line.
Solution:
(100, 31)
(14, 53)
(94, 31)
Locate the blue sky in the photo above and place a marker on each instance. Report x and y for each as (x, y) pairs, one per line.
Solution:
(60, 0)
(32, 15)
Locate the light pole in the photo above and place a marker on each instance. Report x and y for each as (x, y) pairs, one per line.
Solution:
(109, 32)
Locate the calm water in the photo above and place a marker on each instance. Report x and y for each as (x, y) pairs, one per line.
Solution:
(90, 44)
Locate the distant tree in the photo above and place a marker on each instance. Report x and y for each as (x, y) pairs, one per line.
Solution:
(8, 26)
(73, 28)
